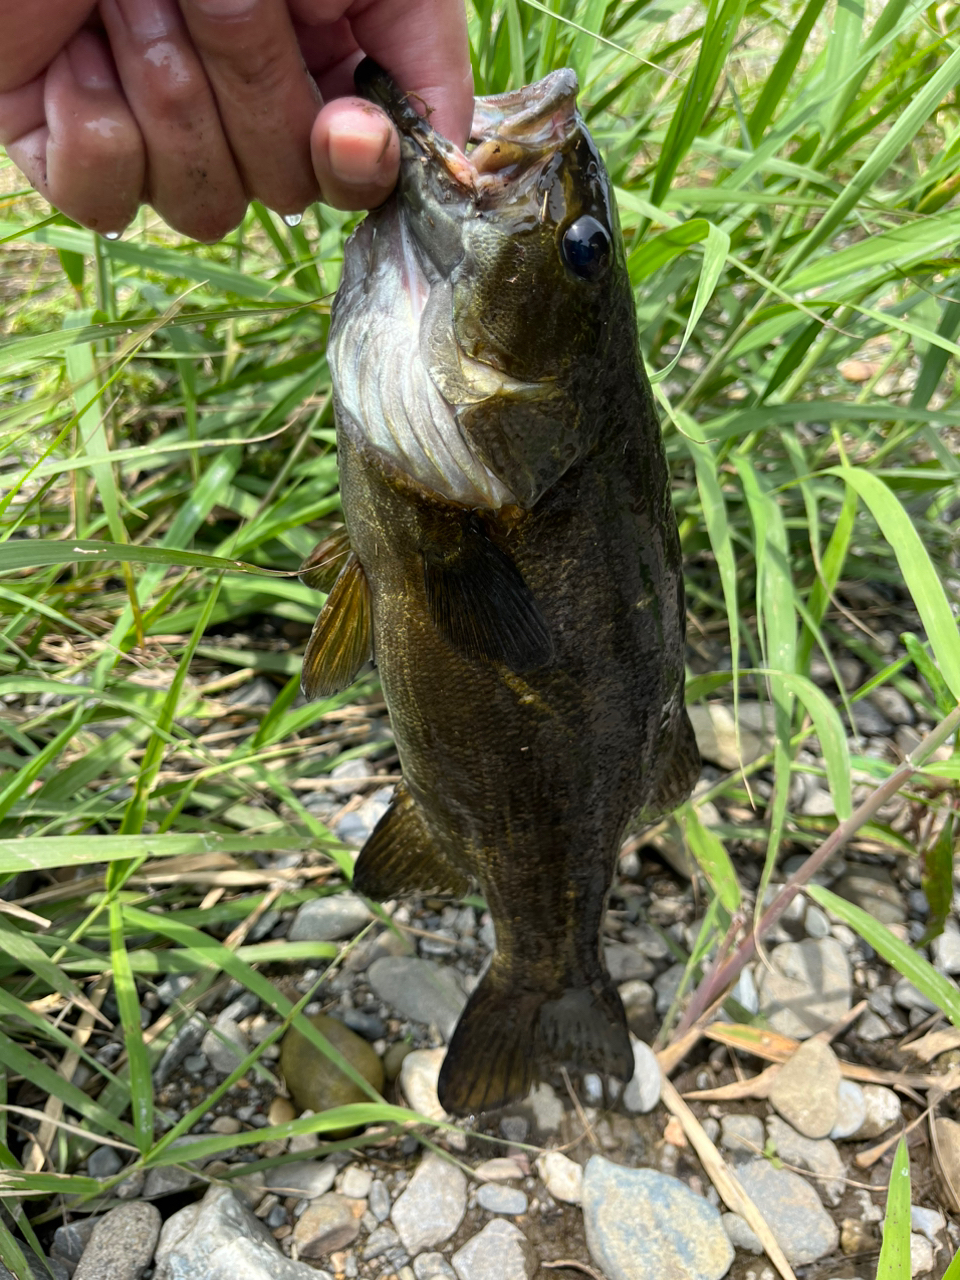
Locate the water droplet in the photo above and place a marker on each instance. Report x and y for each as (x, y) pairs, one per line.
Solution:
(111, 235)
(293, 219)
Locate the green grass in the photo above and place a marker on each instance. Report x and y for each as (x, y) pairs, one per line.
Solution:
(787, 179)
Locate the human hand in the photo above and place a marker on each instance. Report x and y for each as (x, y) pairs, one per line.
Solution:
(197, 107)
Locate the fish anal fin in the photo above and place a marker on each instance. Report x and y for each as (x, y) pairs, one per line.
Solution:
(322, 566)
(401, 857)
(479, 602)
(342, 637)
(509, 1038)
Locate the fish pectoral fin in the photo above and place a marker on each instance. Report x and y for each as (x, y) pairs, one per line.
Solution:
(401, 856)
(480, 603)
(323, 565)
(342, 637)
(508, 1038)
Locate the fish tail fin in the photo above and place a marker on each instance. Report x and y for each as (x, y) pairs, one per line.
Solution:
(508, 1038)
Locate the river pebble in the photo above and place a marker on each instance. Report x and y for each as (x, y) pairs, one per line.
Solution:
(104, 1162)
(420, 990)
(218, 1238)
(305, 1179)
(882, 1111)
(379, 1200)
(643, 1089)
(626, 963)
(644, 1225)
(851, 1110)
(819, 1155)
(741, 1134)
(807, 988)
(340, 915)
(313, 1081)
(946, 949)
(496, 1198)
(871, 888)
(433, 1266)
(805, 1089)
(225, 1045)
(121, 1244)
(328, 1223)
(562, 1176)
(356, 1182)
(499, 1252)
(803, 1228)
(432, 1206)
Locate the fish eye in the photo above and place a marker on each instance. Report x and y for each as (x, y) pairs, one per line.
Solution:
(586, 248)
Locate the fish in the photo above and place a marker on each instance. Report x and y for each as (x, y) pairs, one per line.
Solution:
(511, 561)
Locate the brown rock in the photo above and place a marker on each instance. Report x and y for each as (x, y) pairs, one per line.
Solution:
(313, 1080)
(327, 1224)
(805, 1089)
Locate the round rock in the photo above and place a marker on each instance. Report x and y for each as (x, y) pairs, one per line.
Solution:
(803, 1228)
(562, 1176)
(327, 1224)
(644, 1225)
(807, 988)
(313, 1080)
(643, 1090)
(430, 1209)
(742, 1134)
(121, 1245)
(882, 1108)
(499, 1252)
(805, 1089)
(851, 1110)
(340, 915)
(496, 1198)
(420, 990)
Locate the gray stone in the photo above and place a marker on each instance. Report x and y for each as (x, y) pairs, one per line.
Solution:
(715, 730)
(186, 1040)
(380, 1241)
(851, 1110)
(929, 1222)
(356, 1182)
(498, 1169)
(742, 1134)
(908, 996)
(225, 1046)
(349, 776)
(379, 1200)
(562, 1176)
(816, 922)
(104, 1162)
(870, 720)
(121, 1245)
(891, 703)
(419, 990)
(638, 1002)
(745, 992)
(805, 1088)
(921, 1255)
(167, 1180)
(499, 1252)
(667, 986)
(644, 1225)
(496, 1198)
(431, 1208)
(643, 1090)
(871, 888)
(38, 1271)
(873, 1028)
(625, 963)
(817, 803)
(883, 1110)
(259, 692)
(340, 915)
(819, 1155)
(807, 987)
(802, 1227)
(419, 1075)
(946, 949)
(740, 1234)
(515, 1128)
(327, 1224)
(305, 1179)
(220, 1239)
(70, 1240)
(173, 987)
(546, 1109)
(647, 939)
(433, 1266)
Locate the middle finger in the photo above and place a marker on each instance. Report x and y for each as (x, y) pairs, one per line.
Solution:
(266, 99)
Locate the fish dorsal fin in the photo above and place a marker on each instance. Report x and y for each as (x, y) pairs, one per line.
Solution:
(401, 856)
(322, 566)
(342, 637)
(480, 603)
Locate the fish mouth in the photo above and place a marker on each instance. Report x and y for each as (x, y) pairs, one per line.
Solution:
(512, 133)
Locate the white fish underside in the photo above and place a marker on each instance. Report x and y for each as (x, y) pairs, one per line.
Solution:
(383, 383)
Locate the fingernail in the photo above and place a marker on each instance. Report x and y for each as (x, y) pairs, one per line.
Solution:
(148, 19)
(224, 8)
(90, 64)
(357, 151)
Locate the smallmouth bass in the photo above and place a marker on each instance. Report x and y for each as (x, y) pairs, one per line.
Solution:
(511, 558)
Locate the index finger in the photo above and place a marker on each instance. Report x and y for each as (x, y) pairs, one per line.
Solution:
(421, 43)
